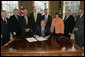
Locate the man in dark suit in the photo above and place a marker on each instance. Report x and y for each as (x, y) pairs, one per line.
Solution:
(69, 24)
(5, 28)
(14, 22)
(47, 18)
(43, 30)
(25, 24)
(79, 28)
(35, 19)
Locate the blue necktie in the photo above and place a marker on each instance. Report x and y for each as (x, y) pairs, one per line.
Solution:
(16, 17)
(46, 19)
(42, 32)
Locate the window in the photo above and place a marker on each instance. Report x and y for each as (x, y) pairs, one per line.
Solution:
(41, 5)
(73, 6)
(9, 6)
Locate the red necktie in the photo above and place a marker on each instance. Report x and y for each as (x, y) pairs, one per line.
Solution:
(26, 21)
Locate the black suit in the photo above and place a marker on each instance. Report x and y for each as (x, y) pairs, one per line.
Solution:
(15, 25)
(5, 31)
(69, 25)
(46, 33)
(34, 24)
(25, 26)
(49, 21)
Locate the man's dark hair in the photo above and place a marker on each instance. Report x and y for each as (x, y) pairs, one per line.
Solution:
(81, 9)
(45, 9)
(57, 14)
(15, 9)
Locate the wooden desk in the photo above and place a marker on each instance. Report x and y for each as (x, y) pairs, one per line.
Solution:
(51, 47)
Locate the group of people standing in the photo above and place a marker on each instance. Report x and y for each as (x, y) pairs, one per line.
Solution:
(42, 25)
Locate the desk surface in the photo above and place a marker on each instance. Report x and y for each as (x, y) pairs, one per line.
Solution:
(19, 46)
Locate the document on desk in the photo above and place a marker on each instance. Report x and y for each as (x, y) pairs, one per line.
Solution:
(41, 39)
(31, 39)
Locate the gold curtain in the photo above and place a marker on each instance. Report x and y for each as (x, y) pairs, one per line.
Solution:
(54, 7)
(82, 4)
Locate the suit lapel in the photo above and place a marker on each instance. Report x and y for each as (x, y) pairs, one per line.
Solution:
(44, 17)
(33, 18)
(40, 30)
(45, 31)
(47, 17)
(66, 18)
(24, 20)
(14, 16)
(2, 20)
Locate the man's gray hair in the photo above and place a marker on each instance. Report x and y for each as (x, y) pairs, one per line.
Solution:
(3, 11)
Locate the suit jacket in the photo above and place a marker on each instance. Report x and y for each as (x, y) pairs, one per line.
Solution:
(49, 21)
(57, 26)
(79, 35)
(69, 24)
(34, 24)
(23, 25)
(15, 25)
(5, 31)
(47, 31)
(79, 23)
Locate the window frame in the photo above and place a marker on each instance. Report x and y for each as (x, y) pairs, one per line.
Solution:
(10, 12)
(40, 1)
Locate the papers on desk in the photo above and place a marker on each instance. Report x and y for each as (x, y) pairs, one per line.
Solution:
(41, 39)
(31, 39)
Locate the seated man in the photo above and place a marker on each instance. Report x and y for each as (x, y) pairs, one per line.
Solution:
(43, 30)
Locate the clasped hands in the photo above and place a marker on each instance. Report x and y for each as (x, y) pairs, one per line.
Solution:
(36, 36)
(27, 29)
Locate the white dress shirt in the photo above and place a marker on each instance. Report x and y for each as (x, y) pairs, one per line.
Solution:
(35, 16)
(66, 17)
(4, 19)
